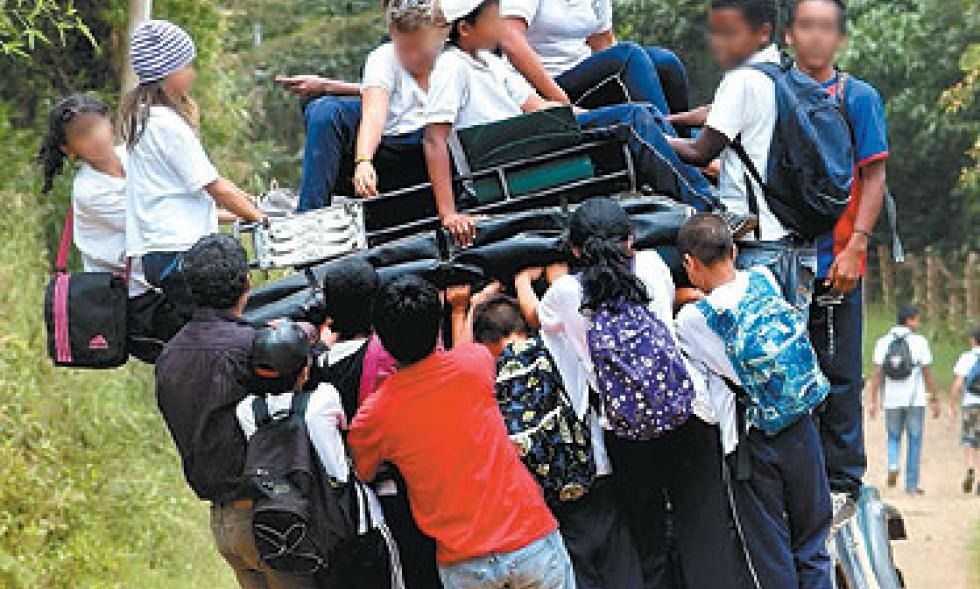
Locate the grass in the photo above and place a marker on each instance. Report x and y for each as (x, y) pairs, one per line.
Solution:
(92, 493)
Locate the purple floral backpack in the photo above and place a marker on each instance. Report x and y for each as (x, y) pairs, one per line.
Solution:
(643, 382)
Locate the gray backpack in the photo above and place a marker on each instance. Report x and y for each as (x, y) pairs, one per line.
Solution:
(898, 363)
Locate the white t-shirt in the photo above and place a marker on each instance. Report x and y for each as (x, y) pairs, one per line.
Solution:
(962, 368)
(324, 420)
(406, 100)
(466, 91)
(557, 29)
(564, 331)
(745, 106)
(707, 353)
(167, 208)
(910, 392)
(99, 209)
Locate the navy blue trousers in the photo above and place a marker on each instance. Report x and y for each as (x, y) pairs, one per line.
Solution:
(784, 509)
(328, 155)
(836, 332)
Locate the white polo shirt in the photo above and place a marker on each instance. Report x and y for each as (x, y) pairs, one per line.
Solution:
(406, 99)
(557, 30)
(466, 91)
(99, 209)
(962, 368)
(167, 209)
(745, 107)
(910, 392)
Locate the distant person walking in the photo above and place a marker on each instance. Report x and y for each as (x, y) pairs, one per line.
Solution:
(902, 360)
(966, 385)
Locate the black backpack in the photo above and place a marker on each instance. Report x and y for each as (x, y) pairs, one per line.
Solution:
(898, 363)
(301, 515)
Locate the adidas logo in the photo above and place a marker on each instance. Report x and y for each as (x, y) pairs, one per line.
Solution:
(98, 342)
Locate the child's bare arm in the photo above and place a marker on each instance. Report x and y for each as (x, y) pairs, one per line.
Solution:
(526, 297)
(691, 118)
(700, 151)
(461, 321)
(436, 148)
(234, 200)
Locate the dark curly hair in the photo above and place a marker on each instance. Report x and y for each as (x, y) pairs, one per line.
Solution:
(216, 270)
(407, 318)
(50, 157)
(497, 318)
(349, 288)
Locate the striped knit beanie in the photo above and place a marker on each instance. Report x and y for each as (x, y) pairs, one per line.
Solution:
(158, 49)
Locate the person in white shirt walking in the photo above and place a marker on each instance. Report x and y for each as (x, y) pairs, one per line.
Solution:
(966, 385)
(902, 360)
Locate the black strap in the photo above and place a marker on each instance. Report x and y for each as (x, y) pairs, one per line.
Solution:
(743, 455)
(260, 411)
(301, 400)
(750, 170)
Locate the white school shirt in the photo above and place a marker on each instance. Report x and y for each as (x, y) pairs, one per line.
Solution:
(465, 90)
(557, 30)
(99, 209)
(564, 331)
(708, 355)
(745, 107)
(167, 207)
(962, 368)
(406, 100)
(324, 420)
(910, 392)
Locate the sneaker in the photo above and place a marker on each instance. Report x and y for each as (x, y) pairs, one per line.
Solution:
(844, 509)
(892, 478)
(968, 482)
(739, 225)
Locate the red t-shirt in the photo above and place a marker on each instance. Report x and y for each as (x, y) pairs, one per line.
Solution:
(439, 423)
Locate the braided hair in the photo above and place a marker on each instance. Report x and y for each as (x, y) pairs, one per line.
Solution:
(600, 229)
(50, 156)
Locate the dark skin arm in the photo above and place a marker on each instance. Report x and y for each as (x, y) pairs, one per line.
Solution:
(846, 270)
(702, 150)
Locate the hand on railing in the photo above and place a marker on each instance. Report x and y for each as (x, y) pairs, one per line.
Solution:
(461, 227)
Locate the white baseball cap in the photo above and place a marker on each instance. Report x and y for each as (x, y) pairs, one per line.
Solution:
(453, 10)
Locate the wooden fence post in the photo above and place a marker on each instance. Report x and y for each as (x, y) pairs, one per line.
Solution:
(970, 286)
(886, 270)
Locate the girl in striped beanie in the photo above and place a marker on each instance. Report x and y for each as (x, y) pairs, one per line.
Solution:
(173, 191)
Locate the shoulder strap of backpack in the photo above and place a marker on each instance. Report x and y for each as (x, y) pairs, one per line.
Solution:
(751, 173)
(260, 411)
(300, 402)
(64, 246)
(743, 456)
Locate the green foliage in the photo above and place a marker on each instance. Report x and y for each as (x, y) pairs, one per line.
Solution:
(92, 493)
(28, 24)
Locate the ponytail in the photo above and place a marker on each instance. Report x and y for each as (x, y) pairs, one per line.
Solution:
(50, 156)
(135, 110)
(600, 229)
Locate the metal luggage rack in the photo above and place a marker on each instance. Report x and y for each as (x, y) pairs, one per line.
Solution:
(303, 240)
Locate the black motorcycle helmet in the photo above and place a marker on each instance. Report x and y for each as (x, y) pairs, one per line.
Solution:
(280, 352)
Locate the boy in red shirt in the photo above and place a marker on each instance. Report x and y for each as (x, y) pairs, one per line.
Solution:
(437, 420)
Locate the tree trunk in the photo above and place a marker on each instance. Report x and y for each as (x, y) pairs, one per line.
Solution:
(139, 12)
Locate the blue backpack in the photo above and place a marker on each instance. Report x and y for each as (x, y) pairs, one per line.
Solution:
(766, 341)
(643, 382)
(811, 160)
(971, 383)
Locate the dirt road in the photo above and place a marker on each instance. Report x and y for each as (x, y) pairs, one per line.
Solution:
(944, 522)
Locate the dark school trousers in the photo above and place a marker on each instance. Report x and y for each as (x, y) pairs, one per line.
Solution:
(598, 540)
(673, 492)
(784, 509)
(836, 331)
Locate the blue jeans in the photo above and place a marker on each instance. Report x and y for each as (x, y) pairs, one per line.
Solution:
(656, 162)
(542, 564)
(622, 73)
(673, 77)
(836, 332)
(911, 421)
(328, 155)
(784, 509)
